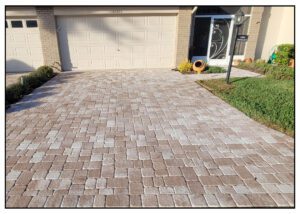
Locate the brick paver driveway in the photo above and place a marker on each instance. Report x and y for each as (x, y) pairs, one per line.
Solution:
(140, 138)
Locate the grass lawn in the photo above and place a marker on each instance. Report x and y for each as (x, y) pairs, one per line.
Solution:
(266, 100)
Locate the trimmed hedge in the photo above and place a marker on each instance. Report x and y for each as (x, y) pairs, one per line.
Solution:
(27, 83)
(279, 72)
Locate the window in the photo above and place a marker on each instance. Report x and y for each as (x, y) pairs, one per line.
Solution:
(6, 26)
(16, 24)
(31, 23)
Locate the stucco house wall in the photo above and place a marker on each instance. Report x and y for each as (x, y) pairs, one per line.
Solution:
(277, 27)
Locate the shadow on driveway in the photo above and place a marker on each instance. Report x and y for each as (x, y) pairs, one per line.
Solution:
(32, 100)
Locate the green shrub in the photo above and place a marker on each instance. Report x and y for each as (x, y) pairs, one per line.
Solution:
(45, 71)
(36, 78)
(13, 93)
(28, 83)
(214, 69)
(284, 53)
(185, 67)
(279, 72)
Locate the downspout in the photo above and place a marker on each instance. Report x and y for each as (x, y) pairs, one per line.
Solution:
(192, 31)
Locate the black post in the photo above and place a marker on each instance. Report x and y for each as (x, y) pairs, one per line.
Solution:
(236, 29)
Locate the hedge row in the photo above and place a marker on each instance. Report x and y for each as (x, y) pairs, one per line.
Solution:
(27, 84)
(279, 72)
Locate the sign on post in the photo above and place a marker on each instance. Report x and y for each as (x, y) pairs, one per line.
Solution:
(242, 38)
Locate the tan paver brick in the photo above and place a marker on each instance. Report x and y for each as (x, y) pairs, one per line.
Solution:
(37, 201)
(129, 138)
(19, 201)
(231, 180)
(149, 201)
(189, 174)
(197, 200)
(85, 201)
(195, 187)
(54, 201)
(181, 201)
(136, 188)
(261, 200)
(174, 181)
(165, 200)
(117, 201)
(210, 180)
(99, 201)
(135, 201)
(241, 200)
(69, 201)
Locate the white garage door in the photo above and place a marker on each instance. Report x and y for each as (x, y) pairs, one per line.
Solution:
(109, 42)
(23, 45)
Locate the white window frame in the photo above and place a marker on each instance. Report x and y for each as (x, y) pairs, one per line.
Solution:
(23, 22)
(230, 37)
(11, 20)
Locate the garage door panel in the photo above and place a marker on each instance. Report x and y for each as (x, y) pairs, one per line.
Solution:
(138, 50)
(98, 63)
(125, 62)
(153, 20)
(31, 40)
(22, 52)
(153, 36)
(164, 60)
(166, 50)
(111, 63)
(97, 52)
(139, 22)
(119, 42)
(34, 51)
(152, 50)
(96, 36)
(83, 63)
(108, 23)
(166, 36)
(19, 38)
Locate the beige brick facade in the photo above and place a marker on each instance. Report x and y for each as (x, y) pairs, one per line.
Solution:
(47, 27)
(183, 33)
(253, 31)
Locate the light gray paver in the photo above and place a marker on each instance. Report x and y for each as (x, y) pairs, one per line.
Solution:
(136, 138)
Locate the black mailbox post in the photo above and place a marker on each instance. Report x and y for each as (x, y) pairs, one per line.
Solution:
(238, 21)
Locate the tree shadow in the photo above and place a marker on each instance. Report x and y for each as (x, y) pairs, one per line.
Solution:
(47, 89)
(16, 66)
(20, 106)
(62, 78)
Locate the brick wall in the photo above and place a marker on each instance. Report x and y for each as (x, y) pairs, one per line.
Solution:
(183, 33)
(47, 27)
(253, 32)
